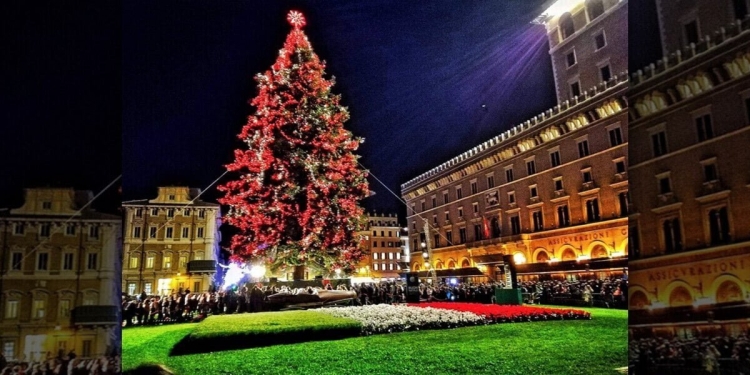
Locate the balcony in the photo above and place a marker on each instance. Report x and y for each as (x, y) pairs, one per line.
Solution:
(621, 176)
(711, 187)
(534, 200)
(666, 199)
(201, 266)
(95, 315)
(588, 185)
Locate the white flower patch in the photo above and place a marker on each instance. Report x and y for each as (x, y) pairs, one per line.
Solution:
(396, 318)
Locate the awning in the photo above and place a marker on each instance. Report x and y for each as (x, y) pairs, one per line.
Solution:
(455, 272)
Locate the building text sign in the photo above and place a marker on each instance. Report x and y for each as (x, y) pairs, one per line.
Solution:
(712, 268)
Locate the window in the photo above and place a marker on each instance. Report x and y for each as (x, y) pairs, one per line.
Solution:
(374, 233)
(586, 175)
(167, 262)
(19, 229)
(477, 232)
(382, 244)
(583, 148)
(570, 58)
(509, 174)
(475, 207)
(536, 218)
(665, 185)
(449, 237)
(170, 230)
(185, 232)
(93, 231)
(575, 89)
(620, 166)
(86, 352)
(11, 310)
(131, 289)
(133, 262)
(634, 241)
(530, 167)
(533, 193)
(67, 261)
(147, 288)
(390, 255)
(604, 73)
(38, 308)
(186, 212)
(16, 261)
(459, 194)
(200, 232)
(375, 266)
(171, 197)
(91, 262)
(434, 219)
(152, 232)
(718, 222)
(138, 212)
(154, 212)
(600, 41)
(566, 26)
(44, 230)
(70, 230)
(447, 215)
(183, 262)
(170, 213)
(42, 262)
(136, 232)
(434, 202)
(709, 172)
(554, 158)
(460, 212)
(445, 197)
(704, 127)
(413, 208)
(515, 225)
(691, 32)
(659, 143)
(422, 205)
(624, 199)
(436, 244)
(563, 216)
(512, 197)
(490, 181)
(740, 9)
(64, 308)
(558, 184)
(202, 214)
(474, 187)
(594, 8)
(150, 261)
(592, 210)
(615, 136)
(462, 235)
(672, 235)
(374, 243)
(382, 255)
(46, 205)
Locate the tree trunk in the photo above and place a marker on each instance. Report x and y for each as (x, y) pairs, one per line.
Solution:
(299, 272)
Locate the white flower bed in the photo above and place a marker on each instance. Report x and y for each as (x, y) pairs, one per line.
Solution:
(396, 318)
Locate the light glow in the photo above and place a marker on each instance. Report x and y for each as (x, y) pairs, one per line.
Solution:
(234, 275)
(556, 10)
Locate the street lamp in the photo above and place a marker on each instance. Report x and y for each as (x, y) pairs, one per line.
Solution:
(257, 271)
(338, 273)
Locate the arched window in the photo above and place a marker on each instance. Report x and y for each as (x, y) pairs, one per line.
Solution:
(566, 26)
(542, 257)
(595, 8)
(465, 263)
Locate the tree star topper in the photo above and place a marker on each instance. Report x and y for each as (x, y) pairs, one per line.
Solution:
(296, 19)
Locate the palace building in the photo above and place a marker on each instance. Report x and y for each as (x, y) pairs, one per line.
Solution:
(171, 243)
(553, 190)
(59, 277)
(383, 248)
(689, 232)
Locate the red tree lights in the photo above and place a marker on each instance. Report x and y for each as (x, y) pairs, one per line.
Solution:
(296, 201)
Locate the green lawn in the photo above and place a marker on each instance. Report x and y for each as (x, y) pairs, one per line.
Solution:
(596, 346)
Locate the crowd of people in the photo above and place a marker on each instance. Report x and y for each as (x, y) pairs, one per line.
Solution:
(710, 353)
(612, 292)
(62, 364)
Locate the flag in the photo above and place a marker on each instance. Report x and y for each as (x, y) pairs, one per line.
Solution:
(486, 225)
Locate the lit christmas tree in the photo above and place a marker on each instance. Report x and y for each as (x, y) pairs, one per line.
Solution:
(296, 202)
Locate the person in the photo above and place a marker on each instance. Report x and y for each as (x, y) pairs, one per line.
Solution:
(143, 296)
(588, 295)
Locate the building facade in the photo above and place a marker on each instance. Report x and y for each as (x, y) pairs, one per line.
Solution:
(59, 277)
(383, 248)
(690, 236)
(171, 243)
(552, 190)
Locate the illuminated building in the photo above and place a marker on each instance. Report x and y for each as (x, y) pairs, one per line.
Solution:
(171, 243)
(689, 233)
(553, 190)
(59, 270)
(382, 239)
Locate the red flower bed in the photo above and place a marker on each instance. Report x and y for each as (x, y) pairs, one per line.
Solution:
(509, 313)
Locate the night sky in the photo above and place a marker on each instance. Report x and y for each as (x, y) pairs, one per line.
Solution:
(414, 76)
(158, 91)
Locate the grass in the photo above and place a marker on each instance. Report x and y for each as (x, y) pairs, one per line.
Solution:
(227, 332)
(596, 346)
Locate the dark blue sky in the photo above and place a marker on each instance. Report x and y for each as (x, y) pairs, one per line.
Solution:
(413, 74)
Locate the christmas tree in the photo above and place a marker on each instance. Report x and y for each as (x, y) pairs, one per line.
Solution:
(296, 201)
